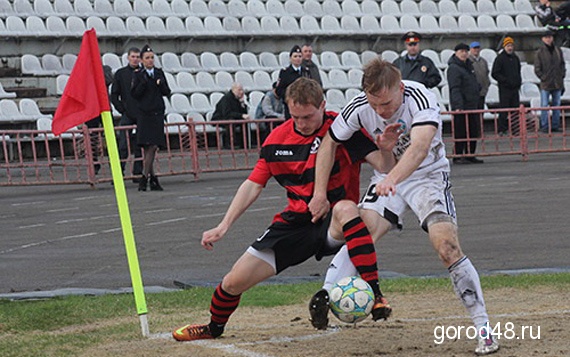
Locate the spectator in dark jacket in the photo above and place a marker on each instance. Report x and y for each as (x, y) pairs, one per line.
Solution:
(307, 52)
(550, 67)
(231, 107)
(414, 66)
(464, 95)
(507, 72)
(126, 105)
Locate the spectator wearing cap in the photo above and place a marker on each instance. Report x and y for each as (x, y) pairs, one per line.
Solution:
(414, 66)
(507, 72)
(550, 67)
(481, 67)
(464, 95)
(148, 87)
(289, 74)
(307, 52)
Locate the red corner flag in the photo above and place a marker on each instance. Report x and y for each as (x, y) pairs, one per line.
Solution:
(85, 95)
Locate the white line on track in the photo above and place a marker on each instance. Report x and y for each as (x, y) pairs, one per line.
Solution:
(47, 242)
(63, 209)
(166, 221)
(27, 203)
(160, 210)
(32, 226)
(209, 215)
(112, 230)
(86, 219)
(84, 198)
(270, 198)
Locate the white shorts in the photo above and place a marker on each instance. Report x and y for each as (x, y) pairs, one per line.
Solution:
(424, 196)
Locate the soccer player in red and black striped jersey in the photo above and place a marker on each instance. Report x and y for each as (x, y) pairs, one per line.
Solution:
(288, 155)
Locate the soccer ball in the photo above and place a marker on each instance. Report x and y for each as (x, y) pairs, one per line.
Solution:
(351, 299)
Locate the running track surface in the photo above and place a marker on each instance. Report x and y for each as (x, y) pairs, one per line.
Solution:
(512, 215)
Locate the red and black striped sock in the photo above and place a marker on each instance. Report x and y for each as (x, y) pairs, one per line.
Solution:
(222, 307)
(361, 252)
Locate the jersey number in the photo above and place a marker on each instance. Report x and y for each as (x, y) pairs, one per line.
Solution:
(370, 195)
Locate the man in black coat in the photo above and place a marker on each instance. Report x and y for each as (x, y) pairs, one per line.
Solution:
(231, 107)
(464, 95)
(126, 105)
(289, 74)
(307, 54)
(507, 72)
(414, 66)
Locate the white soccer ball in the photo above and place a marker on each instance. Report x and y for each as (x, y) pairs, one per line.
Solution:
(351, 299)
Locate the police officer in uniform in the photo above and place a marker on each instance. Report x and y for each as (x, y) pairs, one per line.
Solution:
(414, 66)
(289, 74)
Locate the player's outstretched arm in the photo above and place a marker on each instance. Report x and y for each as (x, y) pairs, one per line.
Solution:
(246, 194)
(319, 205)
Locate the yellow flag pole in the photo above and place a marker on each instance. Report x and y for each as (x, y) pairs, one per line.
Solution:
(126, 225)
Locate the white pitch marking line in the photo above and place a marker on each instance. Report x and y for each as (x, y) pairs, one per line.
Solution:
(233, 348)
(330, 331)
(230, 348)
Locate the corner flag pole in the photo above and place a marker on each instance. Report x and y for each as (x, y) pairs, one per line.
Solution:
(85, 96)
(125, 216)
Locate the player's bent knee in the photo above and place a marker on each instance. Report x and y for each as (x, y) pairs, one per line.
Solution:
(345, 210)
(233, 284)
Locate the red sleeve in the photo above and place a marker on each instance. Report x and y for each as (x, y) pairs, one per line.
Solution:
(260, 173)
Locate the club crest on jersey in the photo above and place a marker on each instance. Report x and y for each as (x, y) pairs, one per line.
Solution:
(403, 126)
(315, 145)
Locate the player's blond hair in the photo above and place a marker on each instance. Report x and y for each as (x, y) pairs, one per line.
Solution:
(380, 75)
(305, 91)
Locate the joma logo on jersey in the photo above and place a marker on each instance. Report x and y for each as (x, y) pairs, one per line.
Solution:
(283, 152)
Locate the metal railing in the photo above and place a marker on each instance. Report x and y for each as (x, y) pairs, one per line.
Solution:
(33, 157)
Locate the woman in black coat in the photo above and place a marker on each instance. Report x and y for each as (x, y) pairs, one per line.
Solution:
(464, 95)
(149, 86)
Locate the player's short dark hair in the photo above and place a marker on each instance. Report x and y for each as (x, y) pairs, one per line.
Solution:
(380, 75)
(305, 91)
(133, 50)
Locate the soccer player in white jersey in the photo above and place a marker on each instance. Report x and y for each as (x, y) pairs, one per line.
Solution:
(413, 173)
